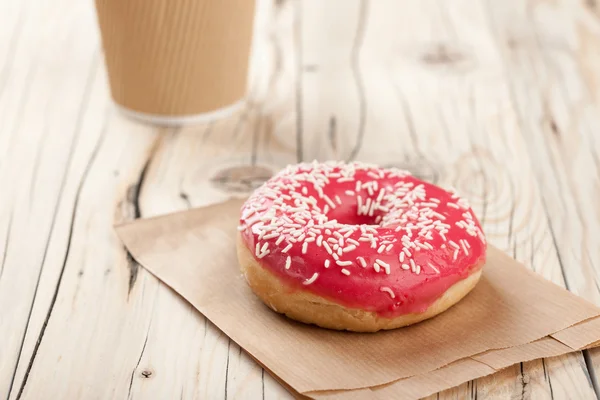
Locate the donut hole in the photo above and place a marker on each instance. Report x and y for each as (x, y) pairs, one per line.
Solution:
(348, 214)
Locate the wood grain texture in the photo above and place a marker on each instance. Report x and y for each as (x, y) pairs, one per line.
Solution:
(499, 99)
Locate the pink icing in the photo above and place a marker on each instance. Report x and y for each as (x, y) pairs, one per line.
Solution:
(392, 212)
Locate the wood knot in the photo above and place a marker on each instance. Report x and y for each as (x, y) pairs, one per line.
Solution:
(146, 374)
(442, 55)
(240, 178)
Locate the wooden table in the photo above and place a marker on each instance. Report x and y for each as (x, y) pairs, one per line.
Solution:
(498, 98)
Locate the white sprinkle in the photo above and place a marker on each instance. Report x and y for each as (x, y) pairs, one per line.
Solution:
(413, 266)
(339, 251)
(257, 250)
(377, 267)
(443, 246)
(435, 200)
(418, 270)
(428, 245)
(337, 198)
(289, 246)
(326, 263)
(438, 215)
(271, 235)
(352, 241)
(264, 247)
(327, 247)
(328, 232)
(325, 209)
(385, 266)
(389, 247)
(406, 267)
(466, 243)
(264, 253)
(407, 252)
(301, 237)
(359, 203)
(420, 245)
(453, 244)
(319, 240)
(401, 256)
(345, 272)
(455, 256)
(288, 262)
(335, 256)
(358, 186)
(453, 205)
(381, 248)
(437, 271)
(343, 263)
(388, 291)
(319, 191)
(311, 279)
(349, 193)
(349, 248)
(362, 262)
(304, 247)
(279, 240)
(329, 201)
(465, 249)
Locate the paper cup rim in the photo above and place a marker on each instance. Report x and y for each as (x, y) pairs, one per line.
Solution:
(166, 120)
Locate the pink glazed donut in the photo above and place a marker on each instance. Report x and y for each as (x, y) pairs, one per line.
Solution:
(351, 246)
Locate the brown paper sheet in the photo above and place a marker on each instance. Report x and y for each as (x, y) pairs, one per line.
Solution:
(194, 253)
(581, 335)
(468, 369)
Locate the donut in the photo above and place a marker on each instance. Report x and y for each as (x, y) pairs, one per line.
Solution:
(352, 246)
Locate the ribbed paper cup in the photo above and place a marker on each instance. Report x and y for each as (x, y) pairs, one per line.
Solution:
(177, 61)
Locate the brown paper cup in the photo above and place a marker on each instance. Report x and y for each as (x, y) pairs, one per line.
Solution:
(177, 61)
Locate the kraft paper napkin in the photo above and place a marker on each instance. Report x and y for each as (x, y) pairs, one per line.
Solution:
(194, 253)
